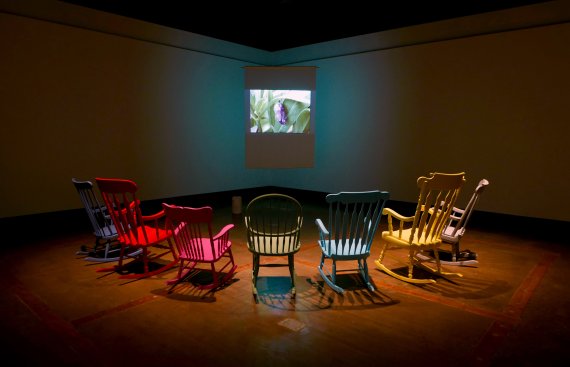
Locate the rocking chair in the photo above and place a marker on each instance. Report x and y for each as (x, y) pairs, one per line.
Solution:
(438, 194)
(191, 230)
(106, 247)
(454, 231)
(273, 223)
(135, 230)
(354, 218)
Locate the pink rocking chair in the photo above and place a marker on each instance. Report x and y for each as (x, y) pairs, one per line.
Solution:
(191, 229)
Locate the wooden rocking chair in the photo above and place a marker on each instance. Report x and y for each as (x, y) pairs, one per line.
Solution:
(438, 194)
(354, 218)
(135, 230)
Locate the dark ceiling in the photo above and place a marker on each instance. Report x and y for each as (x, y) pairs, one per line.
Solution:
(274, 25)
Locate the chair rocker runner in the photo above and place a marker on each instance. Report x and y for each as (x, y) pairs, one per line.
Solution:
(135, 230)
(439, 191)
(107, 247)
(354, 218)
(273, 223)
(454, 231)
(191, 229)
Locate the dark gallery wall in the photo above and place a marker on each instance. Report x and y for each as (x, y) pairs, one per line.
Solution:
(83, 103)
(78, 101)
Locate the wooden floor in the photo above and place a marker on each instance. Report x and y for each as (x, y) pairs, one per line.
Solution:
(513, 309)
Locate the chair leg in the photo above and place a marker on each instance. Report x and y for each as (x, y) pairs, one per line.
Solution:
(107, 247)
(254, 273)
(411, 264)
(121, 256)
(233, 266)
(438, 270)
(380, 258)
(333, 274)
(119, 266)
(321, 263)
(292, 271)
(437, 262)
(455, 251)
(179, 275)
(330, 279)
(408, 279)
(111, 252)
(363, 266)
(145, 260)
(215, 281)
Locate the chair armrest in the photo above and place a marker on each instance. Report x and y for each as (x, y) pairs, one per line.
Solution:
(391, 213)
(456, 214)
(324, 236)
(322, 228)
(155, 216)
(395, 214)
(223, 231)
(457, 210)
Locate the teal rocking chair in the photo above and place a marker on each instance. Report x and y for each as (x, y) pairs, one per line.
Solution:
(354, 218)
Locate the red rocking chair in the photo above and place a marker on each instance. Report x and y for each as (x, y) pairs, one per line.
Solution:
(135, 231)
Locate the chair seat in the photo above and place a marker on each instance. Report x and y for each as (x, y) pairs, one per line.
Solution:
(282, 245)
(106, 232)
(154, 236)
(448, 236)
(207, 255)
(404, 239)
(340, 249)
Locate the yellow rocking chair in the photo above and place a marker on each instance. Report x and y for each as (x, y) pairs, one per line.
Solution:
(438, 194)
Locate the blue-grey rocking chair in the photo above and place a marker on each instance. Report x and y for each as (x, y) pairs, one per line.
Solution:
(354, 218)
(106, 246)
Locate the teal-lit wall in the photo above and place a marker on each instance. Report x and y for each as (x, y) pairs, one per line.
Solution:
(494, 106)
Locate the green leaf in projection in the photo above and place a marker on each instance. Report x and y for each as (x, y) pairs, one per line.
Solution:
(279, 112)
(258, 110)
(302, 124)
(293, 110)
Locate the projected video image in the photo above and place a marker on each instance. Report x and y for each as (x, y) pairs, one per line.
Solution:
(280, 111)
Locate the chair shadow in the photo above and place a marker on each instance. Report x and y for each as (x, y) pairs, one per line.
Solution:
(99, 254)
(471, 288)
(130, 266)
(315, 295)
(188, 289)
(457, 287)
(420, 273)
